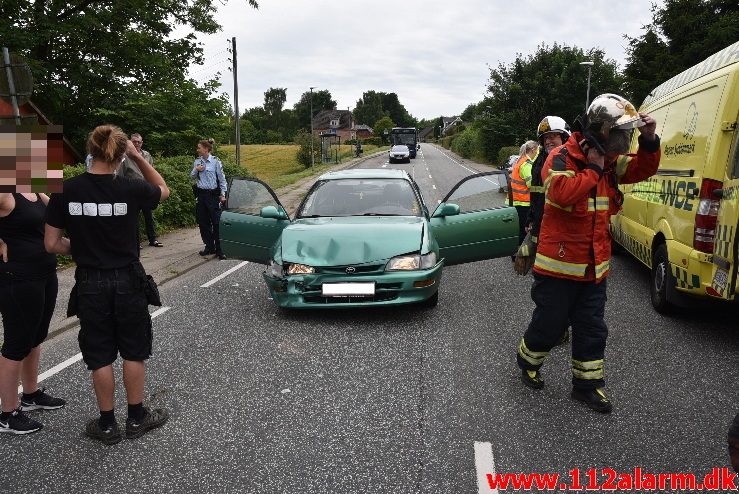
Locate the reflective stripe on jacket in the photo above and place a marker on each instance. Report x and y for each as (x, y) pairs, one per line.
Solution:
(575, 239)
(520, 181)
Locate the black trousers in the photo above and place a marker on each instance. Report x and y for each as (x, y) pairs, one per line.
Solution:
(208, 215)
(151, 233)
(560, 302)
(523, 215)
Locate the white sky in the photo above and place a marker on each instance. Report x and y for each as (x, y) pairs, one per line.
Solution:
(433, 53)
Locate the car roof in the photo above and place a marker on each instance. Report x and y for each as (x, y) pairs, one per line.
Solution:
(365, 173)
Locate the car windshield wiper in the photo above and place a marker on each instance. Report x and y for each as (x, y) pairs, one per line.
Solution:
(311, 216)
(378, 214)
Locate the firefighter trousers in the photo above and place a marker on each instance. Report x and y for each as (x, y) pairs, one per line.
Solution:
(560, 302)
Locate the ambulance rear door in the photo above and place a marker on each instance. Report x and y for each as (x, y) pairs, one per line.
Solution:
(725, 282)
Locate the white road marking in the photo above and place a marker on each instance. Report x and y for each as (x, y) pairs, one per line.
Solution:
(434, 186)
(221, 276)
(60, 367)
(484, 464)
(430, 176)
(474, 172)
(385, 165)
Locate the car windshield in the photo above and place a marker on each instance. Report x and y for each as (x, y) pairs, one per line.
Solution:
(407, 139)
(361, 197)
(400, 148)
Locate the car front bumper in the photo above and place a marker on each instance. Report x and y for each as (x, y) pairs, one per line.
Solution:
(391, 288)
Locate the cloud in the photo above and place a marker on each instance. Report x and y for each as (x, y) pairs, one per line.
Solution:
(432, 53)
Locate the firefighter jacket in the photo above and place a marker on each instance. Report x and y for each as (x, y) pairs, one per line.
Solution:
(575, 239)
(520, 181)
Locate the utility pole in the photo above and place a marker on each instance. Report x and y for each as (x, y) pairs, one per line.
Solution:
(236, 104)
(587, 94)
(11, 86)
(312, 155)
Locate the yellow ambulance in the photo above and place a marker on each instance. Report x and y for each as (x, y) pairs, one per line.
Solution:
(682, 223)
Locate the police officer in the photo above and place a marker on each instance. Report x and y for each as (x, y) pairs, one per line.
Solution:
(210, 194)
(574, 247)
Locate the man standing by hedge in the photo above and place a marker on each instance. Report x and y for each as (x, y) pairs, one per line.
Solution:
(129, 169)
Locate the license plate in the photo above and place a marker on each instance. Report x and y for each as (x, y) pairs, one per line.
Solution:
(348, 289)
(720, 280)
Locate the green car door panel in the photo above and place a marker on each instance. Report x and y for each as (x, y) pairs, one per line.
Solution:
(244, 233)
(485, 226)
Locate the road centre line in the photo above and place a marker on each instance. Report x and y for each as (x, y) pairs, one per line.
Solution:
(484, 465)
(474, 172)
(221, 276)
(60, 367)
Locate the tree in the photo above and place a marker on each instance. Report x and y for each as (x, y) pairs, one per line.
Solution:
(383, 124)
(396, 111)
(548, 82)
(274, 100)
(682, 33)
(89, 56)
(369, 108)
(322, 100)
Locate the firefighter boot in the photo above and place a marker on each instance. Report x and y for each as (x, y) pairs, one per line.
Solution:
(532, 378)
(594, 398)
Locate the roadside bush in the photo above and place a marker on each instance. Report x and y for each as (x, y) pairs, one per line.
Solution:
(375, 141)
(303, 140)
(467, 143)
(505, 152)
(446, 141)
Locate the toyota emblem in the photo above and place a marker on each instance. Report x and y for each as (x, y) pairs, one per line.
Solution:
(351, 270)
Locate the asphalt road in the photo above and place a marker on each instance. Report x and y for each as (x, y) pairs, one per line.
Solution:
(398, 400)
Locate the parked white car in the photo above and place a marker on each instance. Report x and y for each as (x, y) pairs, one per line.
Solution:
(399, 152)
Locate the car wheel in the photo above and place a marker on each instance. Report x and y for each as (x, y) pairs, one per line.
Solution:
(430, 302)
(390, 160)
(661, 278)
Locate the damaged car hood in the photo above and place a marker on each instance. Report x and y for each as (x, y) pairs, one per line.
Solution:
(335, 241)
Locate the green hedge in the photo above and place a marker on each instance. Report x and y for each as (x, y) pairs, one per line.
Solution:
(505, 152)
(179, 209)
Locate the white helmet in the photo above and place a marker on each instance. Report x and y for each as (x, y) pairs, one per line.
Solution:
(611, 111)
(553, 124)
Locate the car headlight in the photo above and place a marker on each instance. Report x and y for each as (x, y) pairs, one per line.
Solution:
(300, 269)
(275, 270)
(411, 262)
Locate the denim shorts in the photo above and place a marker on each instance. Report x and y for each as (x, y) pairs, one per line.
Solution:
(114, 316)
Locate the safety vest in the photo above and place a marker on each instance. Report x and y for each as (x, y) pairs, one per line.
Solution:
(520, 181)
(575, 240)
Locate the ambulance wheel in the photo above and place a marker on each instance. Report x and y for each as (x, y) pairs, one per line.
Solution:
(661, 278)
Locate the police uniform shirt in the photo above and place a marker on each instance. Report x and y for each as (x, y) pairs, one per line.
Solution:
(100, 214)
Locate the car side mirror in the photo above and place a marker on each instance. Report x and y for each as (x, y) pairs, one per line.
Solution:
(273, 212)
(446, 210)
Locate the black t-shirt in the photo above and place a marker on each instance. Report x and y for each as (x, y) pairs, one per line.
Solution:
(23, 232)
(100, 214)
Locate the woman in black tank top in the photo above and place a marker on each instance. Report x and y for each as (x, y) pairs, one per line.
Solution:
(28, 288)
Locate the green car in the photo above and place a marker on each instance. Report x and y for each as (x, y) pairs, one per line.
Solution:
(365, 237)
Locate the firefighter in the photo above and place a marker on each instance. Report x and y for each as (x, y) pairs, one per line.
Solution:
(551, 132)
(520, 182)
(574, 244)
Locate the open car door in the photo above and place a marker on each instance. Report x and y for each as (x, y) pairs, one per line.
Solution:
(475, 221)
(252, 220)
